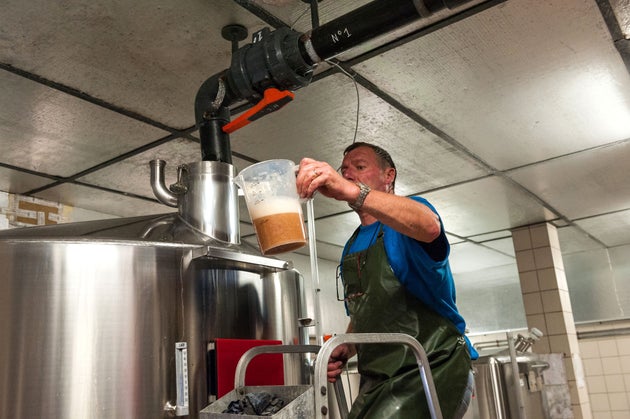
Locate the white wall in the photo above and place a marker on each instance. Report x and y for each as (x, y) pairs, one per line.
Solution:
(334, 318)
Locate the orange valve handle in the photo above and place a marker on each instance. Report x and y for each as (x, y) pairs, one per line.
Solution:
(273, 99)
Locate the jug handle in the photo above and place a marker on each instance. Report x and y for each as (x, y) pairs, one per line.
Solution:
(296, 169)
(238, 180)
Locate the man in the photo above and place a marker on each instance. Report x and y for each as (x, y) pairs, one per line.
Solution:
(396, 278)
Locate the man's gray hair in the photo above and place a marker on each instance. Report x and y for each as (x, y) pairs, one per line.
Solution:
(384, 159)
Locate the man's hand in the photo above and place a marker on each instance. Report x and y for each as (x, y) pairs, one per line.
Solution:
(319, 176)
(337, 361)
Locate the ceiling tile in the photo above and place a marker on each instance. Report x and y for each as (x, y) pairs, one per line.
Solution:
(466, 257)
(324, 207)
(297, 13)
(102, 201)
(507, 87)
(505, 246)
(324, 251)
(611, 229)
(145, 56)
(320, 124)
(250, 240)
(454, 239)
(503, 279)
(491, 236)
(560, 222)
(246, 229)
(575, 240)
(54, 133)
(582, 184)
(243, 212)
(133, 174)
(18, 182)
(489, 204)
(338, 229)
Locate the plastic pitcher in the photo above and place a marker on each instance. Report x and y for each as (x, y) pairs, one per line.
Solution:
(273, 205)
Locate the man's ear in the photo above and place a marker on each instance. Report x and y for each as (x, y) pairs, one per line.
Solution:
(390, 175)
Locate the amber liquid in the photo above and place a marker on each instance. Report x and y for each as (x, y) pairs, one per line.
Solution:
(279, 233)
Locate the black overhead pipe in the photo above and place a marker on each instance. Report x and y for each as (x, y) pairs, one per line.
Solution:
(355, 28)
(284, 59)
(218, 148)
(368, 22)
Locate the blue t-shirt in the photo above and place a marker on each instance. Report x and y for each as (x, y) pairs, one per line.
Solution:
(429, 280)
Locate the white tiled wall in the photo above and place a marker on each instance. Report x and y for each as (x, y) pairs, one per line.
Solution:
(606, 363)
(548, 305)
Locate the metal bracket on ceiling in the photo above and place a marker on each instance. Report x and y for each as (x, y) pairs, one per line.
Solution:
(234, 33)
(314, 12)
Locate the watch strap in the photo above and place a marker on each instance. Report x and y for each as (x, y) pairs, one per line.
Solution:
(363, 191)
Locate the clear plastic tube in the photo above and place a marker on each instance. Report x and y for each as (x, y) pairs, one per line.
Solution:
(312, 245)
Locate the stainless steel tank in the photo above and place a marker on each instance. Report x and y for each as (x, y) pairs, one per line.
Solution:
(113, 319)
(496, 393)
(509, 382)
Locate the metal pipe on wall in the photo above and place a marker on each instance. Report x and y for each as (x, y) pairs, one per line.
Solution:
(515, 377)
(624, 331)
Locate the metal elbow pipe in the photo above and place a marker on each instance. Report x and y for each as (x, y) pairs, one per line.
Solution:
(158, 185)
(212, 95)
(211, 114)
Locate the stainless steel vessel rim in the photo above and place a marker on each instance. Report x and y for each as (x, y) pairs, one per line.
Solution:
(75, 240)
(221, 252)
(215, 167)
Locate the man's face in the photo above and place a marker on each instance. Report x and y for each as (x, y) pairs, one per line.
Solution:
(362, 165)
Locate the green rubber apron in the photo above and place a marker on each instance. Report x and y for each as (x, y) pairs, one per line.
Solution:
(391, 386)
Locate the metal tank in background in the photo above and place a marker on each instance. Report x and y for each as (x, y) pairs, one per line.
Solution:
(113, 319)
(509, 383)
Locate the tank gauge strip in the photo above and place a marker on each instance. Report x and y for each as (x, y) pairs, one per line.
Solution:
(181, 371)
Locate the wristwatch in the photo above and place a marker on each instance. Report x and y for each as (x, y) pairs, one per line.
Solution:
(363, 191)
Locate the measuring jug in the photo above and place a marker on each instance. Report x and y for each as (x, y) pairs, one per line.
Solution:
(273, 205)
